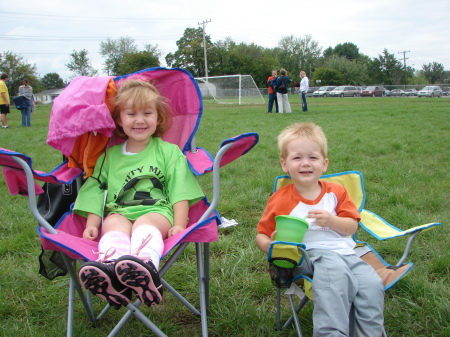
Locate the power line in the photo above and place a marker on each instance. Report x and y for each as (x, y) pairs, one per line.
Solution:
(65, 38)
(34, 16)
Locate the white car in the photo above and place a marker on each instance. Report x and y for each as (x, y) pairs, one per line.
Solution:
(323, 91)
(344, 91)
(430, 91)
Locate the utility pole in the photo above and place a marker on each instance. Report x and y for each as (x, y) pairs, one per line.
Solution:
(204, 47)
(404, 61)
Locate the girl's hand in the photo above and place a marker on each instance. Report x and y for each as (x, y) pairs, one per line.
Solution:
(175, 230)
(90, 233)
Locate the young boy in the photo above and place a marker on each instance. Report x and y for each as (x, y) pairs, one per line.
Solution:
(348, 294)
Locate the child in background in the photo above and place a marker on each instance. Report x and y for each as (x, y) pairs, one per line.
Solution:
(139, 193)
(348, 294)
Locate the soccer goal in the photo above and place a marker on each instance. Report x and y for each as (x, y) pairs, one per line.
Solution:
(230, 89)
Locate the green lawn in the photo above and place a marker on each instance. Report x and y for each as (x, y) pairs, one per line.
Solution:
(401, 145)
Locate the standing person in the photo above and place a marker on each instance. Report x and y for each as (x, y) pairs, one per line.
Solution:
(272, 93)
(348, 293)
(304, 86)
(282, 92)
(26, 91)
(4, 99)
(139, 193)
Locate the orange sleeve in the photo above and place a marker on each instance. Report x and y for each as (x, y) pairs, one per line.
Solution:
(346, 208)
(282, 202)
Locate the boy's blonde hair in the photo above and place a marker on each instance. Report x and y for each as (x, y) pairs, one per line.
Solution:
(302, 130)
(141, 93)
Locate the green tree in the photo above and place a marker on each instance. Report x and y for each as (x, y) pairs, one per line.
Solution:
(114, 51)
(418, 78)
(251, 59)
(219, 58)
(327, 76)
(434, 72)
(133, 62)
(52, 81)
(328, 52)
(295, 54)
(386, 69)
(348, 50)
(352, 72)
(190, 52)
(80, 64)
(18, 69)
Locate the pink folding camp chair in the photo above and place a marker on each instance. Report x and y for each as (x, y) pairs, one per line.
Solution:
(85, 100)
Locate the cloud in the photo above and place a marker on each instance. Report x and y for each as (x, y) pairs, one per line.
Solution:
(47, 32)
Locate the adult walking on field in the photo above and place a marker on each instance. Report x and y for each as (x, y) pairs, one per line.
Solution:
(26, 91)
(272, 93)
(4, 99)
(282, 92)
(304, 86)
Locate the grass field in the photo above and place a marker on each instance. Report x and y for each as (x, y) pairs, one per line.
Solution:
(401, 145)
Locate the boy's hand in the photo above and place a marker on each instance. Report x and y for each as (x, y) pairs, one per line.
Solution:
(323, 218)
(272, 237)
(90, 233)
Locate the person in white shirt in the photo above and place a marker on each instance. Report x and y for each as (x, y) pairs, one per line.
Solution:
(304, 86)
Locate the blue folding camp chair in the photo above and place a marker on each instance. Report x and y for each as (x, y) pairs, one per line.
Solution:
(372, 223)
(64, 240)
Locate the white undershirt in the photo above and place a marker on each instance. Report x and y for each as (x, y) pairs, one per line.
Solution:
(124, 149)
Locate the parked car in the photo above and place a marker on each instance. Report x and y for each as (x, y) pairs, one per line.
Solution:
(373, 91)
(310, 91)
(344, 91)
(445, 93)
(410, 92)
(387, 92)
(360, 89)
(397, 92)
(323, 91)
(430, 91)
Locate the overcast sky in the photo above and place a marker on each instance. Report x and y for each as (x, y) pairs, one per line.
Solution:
(46, 32)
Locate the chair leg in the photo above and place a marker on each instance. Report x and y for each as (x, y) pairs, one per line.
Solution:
(206, 268)
(295, 312)
(278, 315)
(201, 288)
(70, 308)
(294, 316)
(75, 285)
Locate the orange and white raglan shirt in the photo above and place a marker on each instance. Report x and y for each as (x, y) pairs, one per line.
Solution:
(334, 198)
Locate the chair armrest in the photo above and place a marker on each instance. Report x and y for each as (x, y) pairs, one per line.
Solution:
(201, 162)
(382, 230)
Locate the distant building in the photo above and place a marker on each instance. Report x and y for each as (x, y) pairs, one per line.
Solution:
(47, 96)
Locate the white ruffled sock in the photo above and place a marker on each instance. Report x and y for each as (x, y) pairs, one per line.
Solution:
(154, 247)
(119, 241)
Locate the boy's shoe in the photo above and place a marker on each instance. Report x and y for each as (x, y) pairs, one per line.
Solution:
(5, 126)
(101, 280)
(141, 276)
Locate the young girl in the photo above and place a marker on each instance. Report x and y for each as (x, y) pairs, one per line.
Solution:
(139, 194)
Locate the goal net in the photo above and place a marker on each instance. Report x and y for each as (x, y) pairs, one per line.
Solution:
(231, 89)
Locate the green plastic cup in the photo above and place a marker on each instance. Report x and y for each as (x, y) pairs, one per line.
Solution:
(290, 228)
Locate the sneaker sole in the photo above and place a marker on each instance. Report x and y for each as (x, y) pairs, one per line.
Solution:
(134, 275)
(99, 283)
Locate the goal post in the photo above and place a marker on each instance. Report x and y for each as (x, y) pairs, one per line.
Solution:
(230, 89)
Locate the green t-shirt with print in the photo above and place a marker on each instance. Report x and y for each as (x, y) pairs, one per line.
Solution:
(152, 180)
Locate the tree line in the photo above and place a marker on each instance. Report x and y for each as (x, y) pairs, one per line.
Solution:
(341, 64)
